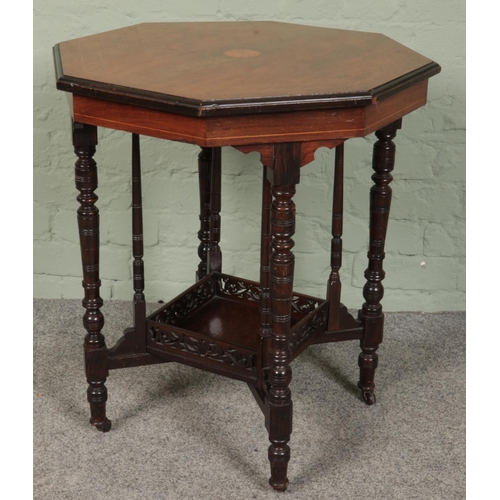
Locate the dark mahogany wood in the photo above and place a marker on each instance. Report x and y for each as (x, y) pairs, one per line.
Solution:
(204, 171)
(122, 355)
(138, 248)
(307, 150)
(308, 125)
(216, 323)
(243, 67)
(266, 128)
(371, 313)
(130, 350)
(283, 90)
(286, 175)
(334, 283)
(96, 354)
(265, 278)
(305, 333)
(349, 329)
(214, 253)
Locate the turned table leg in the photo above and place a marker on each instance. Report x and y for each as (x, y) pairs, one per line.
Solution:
(96, 353)
(334, 283)
(265, 274)
(138, 248)
(204, 171)
(371, 313)
(214, 253)
(285, 176)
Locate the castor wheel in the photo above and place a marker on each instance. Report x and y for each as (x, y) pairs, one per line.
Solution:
(104, 426)
(369, 398)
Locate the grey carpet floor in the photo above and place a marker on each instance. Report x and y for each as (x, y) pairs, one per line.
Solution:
(180, 433)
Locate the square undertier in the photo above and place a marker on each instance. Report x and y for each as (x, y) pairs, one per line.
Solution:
(217, 321)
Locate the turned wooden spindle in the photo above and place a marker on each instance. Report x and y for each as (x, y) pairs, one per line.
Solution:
(138, 248)
(204, 168)
(215, 254)
(334, 283)
(371, 313)
(285, 176)
(96, 353)
(280, 373)
(265, 273)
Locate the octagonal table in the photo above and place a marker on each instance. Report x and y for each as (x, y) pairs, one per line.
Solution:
(282, 90)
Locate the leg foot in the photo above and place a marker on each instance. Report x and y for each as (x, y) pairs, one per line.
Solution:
(368, 397)
(97, 395)
(279, 458)
(104, 426)
(367, 362)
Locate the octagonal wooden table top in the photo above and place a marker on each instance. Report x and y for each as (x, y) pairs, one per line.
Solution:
(223, 68)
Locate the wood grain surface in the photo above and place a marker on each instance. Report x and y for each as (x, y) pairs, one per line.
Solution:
(241, 64)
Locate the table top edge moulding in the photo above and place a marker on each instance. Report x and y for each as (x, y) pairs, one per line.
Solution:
(280, 89)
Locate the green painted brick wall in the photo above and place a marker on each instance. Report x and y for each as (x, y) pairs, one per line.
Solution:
(425, 251)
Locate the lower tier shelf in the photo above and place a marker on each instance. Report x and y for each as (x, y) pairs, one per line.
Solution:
(215, 325)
